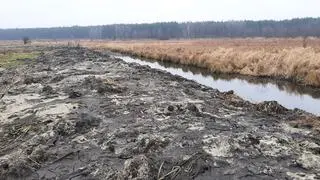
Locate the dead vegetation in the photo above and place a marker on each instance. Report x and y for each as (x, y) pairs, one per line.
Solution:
(307, 122)
(296, 59)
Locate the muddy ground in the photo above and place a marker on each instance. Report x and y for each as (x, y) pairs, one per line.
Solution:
(73, 113)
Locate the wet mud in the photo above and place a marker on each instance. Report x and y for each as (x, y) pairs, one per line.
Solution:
(73, 113)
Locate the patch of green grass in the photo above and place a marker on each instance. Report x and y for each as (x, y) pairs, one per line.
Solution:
(13, 59)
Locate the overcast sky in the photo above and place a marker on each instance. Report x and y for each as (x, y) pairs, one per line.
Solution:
(48, 13)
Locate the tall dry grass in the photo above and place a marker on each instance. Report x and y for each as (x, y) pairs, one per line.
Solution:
(278, 58)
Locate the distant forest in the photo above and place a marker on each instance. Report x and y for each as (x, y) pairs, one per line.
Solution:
(168, 30)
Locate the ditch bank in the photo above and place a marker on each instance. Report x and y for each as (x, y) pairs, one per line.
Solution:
(253, 89)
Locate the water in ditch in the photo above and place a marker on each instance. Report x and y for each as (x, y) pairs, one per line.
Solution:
(254, 89)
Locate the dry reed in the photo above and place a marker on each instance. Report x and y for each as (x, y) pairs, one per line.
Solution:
(292, 59)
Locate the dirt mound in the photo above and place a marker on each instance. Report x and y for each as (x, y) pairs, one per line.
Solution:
(271, 107)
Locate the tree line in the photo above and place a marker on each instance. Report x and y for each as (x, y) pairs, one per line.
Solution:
(168, 30)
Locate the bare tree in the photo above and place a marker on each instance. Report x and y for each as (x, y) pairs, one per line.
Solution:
(26, 40)
(304, 42)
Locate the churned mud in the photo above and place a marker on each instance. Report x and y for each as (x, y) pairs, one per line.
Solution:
(73, 113)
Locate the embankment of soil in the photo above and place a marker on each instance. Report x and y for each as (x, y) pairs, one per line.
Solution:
(73, 113)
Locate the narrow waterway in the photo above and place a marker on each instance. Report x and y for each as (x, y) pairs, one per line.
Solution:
(253, 89)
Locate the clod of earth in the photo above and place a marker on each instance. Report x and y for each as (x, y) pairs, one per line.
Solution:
(47, 90)
(91, 116)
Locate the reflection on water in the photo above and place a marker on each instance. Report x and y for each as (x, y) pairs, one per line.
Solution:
(253, 89)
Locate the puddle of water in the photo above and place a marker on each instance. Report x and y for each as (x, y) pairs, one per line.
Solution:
(253, 89)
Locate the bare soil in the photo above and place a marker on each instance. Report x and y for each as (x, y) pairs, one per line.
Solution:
(73, 113)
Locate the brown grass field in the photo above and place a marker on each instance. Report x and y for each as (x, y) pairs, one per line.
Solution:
(293, 59)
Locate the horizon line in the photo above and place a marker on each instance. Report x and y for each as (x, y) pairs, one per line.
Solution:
(158, 22)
